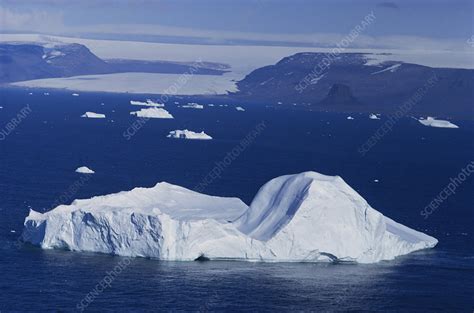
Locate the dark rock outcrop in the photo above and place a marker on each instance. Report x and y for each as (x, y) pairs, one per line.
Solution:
(341, 95)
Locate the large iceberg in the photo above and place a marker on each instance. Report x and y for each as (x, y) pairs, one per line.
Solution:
(307, 217)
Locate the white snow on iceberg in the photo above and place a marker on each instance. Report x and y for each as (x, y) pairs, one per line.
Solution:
(84, 170)
(152, 113)
(306, 217)
(93, 115)
(432, 122)
(148, 102)
(187, 134)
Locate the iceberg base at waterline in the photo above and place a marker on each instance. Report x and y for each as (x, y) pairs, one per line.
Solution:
(307, 217)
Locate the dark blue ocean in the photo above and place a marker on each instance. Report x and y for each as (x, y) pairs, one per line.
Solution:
(412, 164)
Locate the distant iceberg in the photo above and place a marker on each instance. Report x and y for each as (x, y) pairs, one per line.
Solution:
(75, 95)
(350, 118)
(93, 115)
(187, 134)
(374, 117)
(240, 109)
(84, 170)
(307, 217)
(193, 105)
(432, 122)
(152, 113)
(148, 102)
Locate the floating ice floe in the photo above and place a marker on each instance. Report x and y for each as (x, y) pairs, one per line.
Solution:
(46, 93)
(187, 134)
(93, 115)
(432, 122)
(193, 105)
(374, 116)
(148, 102)
(307, 217)
(240, 109)
(152, 113)
(75, 95)
(350, 118)
(84, 170)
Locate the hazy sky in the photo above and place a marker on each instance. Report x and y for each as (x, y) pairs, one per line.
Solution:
(225, 21)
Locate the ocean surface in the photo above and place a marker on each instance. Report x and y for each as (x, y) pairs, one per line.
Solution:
(399, 176)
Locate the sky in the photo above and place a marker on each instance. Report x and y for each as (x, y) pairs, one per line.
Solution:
(436, 24)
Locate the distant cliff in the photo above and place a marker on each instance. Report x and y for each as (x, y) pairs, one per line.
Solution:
(20, 62)
(347, 83)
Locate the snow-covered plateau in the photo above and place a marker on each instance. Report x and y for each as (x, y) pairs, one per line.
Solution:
(139, 83)
(307, 217)
(242, 60)
(432, 122)
(188, 134)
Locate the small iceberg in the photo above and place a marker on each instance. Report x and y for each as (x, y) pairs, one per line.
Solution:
(46, 93)
(187, 134)
(350, 118)
(93, 115)
(148, 102)
(152, 113)
(240, 109)
(193, 105)
(75, 95)
(374, 116)
(432, 122)
(306, 217)
(84, 170)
